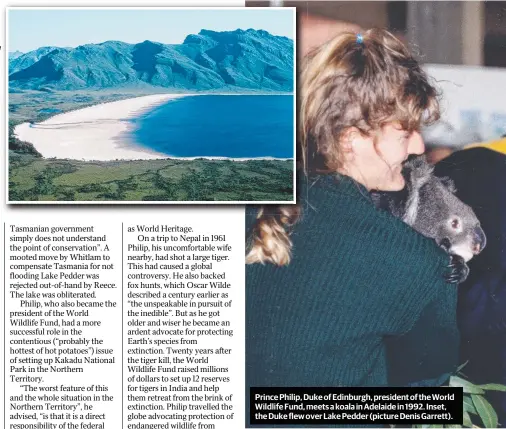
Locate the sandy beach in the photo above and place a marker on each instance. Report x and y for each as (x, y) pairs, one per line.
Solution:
(93, 133)
(100, 132)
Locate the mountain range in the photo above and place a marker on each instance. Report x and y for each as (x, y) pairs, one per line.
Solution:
(253, 59)
(14, 55)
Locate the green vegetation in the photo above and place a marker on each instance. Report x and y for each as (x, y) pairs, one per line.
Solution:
(19, 146)
(33, 178)
(477, 412)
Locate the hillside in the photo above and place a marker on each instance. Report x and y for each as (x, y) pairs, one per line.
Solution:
(19, 61)
(14, 55)
(252, 59)
(38, 179)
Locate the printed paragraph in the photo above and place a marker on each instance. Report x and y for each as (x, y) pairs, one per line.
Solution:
(62, 281)
(125, 324)
(179, 308)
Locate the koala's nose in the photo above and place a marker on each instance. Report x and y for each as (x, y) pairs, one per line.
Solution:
(480, 240)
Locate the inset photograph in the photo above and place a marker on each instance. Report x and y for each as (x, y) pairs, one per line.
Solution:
(151, 105)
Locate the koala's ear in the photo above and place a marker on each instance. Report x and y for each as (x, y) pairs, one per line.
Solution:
(417, 171)
(448, 184)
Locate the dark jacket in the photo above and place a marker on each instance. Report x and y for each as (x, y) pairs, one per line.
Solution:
(358, 276)
(480, 178)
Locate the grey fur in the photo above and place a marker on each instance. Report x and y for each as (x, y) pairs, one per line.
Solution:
(429, 205)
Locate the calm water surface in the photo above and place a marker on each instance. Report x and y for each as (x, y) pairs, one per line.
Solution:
(235, 126)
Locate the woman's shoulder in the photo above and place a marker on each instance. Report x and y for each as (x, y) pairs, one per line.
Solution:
(338, 218)
(339, 207)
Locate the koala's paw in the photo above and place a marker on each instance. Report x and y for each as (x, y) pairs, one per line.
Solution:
(459, 272)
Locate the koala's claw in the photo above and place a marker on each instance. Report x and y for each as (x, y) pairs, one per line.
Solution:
(459, 272)
(445, 244)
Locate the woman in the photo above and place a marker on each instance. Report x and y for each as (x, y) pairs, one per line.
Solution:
(337, 292)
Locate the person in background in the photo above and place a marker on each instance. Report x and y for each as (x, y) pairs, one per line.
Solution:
(479, 174)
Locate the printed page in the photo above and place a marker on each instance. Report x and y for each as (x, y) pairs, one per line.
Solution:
(162, 266)
(122, 308)
(123, 324)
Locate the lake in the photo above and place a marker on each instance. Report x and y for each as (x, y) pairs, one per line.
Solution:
(234, 126)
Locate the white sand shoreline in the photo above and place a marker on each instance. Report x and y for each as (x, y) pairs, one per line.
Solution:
(97, 133)
(92, 133)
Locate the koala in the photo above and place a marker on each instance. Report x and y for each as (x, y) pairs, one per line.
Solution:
(429, 205)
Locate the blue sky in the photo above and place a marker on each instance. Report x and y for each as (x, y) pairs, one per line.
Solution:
(30, 29)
